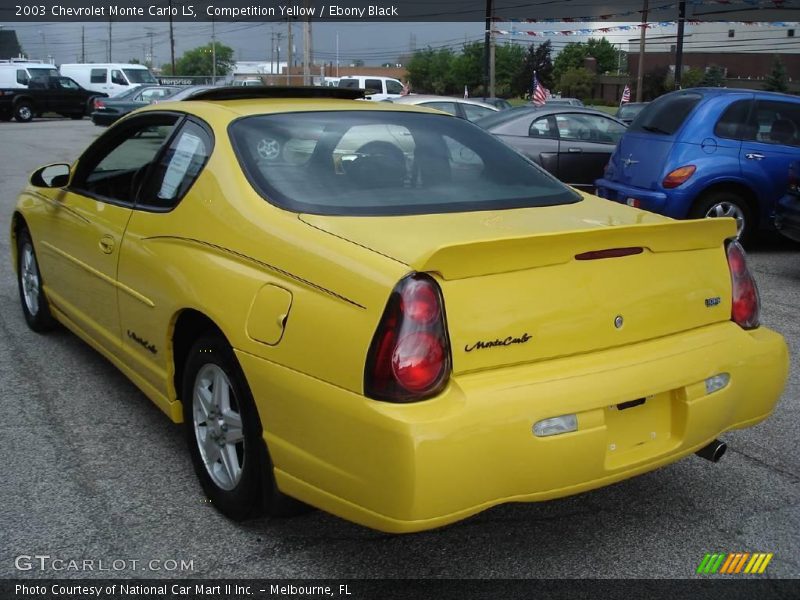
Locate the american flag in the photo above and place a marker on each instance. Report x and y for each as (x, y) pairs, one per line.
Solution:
(466, 92)
(626, 95)
(540, 93)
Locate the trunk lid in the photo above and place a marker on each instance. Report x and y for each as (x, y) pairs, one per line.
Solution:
(515, 292)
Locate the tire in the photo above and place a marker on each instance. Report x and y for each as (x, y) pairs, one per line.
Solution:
(724, 204)
(225, 438)
(31, 291)
(23, 111)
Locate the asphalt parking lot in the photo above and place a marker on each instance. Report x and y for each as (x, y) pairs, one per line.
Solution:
(94, 471)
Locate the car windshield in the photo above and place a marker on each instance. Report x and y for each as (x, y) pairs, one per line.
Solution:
(139, 76)
(665, 115)
(386, 163)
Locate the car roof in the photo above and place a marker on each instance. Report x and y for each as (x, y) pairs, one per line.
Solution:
(416, 98)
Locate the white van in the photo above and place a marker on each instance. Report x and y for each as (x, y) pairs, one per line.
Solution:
(109, 78)
(17, 74)
(378, 88)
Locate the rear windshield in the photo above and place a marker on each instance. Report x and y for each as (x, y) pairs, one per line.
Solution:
(666, 114)
(386, 163)
(139, 76)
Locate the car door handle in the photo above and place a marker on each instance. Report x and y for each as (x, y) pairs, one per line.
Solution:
(107, 244)
(753, 156)
(575, 150)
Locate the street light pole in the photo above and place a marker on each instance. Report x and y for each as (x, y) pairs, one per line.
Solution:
(640, 75)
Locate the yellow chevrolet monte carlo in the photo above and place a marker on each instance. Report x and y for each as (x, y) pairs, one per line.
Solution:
(384, 312)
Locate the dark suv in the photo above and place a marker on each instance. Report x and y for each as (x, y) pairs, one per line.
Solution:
(708, 152)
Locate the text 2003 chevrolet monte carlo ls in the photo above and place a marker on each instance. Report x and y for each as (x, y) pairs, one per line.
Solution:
(385, 312)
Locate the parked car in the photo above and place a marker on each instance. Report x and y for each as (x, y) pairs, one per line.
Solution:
(60, 95)
(787, 214)
(564, 101)
(17, 73)
(378, 88)
(401, 344)
(108, 110)
(498, 103)
(708, 152)
(109, 78)
(572, 143)
(464, 108)
(627, 112)
(187, 93)
(248, 82)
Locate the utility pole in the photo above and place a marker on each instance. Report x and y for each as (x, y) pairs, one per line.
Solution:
(171, 41)
(492, 65)
(679, 44)
(640, 75)
(487, 40)
(83, 44)
(278, 37)
(213, 54)
(307, 48)
(151, 60)
(289, 52)
(109, 39)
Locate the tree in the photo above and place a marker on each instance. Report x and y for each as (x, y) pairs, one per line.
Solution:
(433, 71)
(509, 61)
(654, 83)
(576, 83)
(604, 52)
(714, 77)
(536, 59)
(134, 61)
(778, 79)
(570, 57)
(198, 61)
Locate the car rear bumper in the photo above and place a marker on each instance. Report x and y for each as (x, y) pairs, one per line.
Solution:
(787, 217)
(674, 204)
(99, 118)
(404, 468)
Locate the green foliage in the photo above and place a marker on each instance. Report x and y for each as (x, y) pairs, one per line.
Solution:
(537, 59)
(574, 53)
(778, 79)
(570, 57)
(444, 72)
(604, 52)
(134, 61)
(576, 83)
(198, 61)
(654, 84)
(714, 77)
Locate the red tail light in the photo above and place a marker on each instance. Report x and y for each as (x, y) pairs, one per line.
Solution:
(98, 104)
(678, 176)
(409, 358)
(746, 308)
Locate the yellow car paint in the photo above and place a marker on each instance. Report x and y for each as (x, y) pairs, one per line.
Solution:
(298, 297)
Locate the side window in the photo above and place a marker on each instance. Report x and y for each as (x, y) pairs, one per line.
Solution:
(448, 107)
(98, 75)
(733, 122)
(394, 87)
(465, 164)
(118, 78)
(543, 128)
(589, 128)
(776, 122)
(348, 83)
(178, 168)
(474, 112)
(22, 77)
(376, 85)
(115, 168)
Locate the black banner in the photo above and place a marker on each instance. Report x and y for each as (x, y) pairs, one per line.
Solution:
(389, 10)
(729, 588)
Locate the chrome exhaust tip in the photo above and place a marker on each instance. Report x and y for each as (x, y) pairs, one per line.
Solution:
(713, 451)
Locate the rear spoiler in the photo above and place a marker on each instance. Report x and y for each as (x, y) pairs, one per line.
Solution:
(460, 261)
